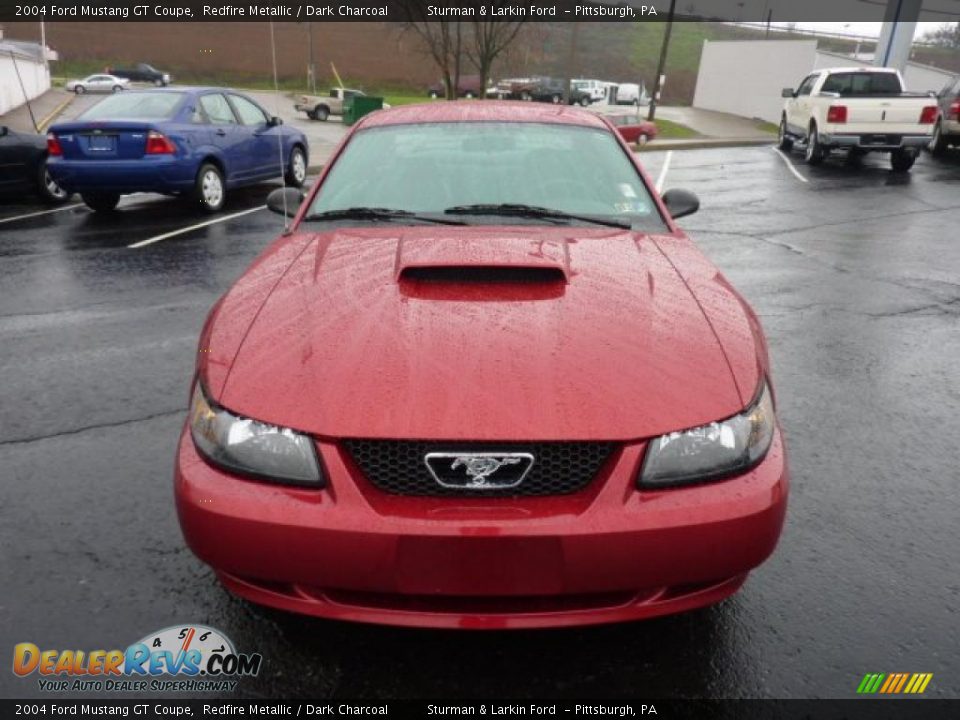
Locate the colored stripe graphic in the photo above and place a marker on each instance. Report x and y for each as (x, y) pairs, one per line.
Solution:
(891, 680)
(903, 679)
(894, 683)
(870, 683)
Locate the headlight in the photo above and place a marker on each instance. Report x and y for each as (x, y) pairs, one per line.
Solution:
(711, 451)
(252, 447)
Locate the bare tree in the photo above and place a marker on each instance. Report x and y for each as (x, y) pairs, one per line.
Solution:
(443, 41)
(490, 38)
(947, 35)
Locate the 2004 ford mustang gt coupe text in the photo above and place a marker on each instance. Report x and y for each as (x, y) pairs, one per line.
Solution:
(484, 382)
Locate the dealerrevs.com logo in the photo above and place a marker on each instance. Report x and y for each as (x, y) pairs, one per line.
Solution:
(183, 658)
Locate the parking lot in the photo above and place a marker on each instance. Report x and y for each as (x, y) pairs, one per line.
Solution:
(855, 273)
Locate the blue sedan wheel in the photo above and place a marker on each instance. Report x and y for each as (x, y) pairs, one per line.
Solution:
(209, 190)
(297, 169)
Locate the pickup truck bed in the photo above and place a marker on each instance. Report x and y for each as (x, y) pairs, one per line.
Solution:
(320, 107)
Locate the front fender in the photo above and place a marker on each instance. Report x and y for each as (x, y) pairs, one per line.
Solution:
(289, 140)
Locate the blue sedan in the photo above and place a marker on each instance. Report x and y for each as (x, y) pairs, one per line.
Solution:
(197, 142)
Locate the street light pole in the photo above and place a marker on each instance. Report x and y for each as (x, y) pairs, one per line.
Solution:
(663, 61)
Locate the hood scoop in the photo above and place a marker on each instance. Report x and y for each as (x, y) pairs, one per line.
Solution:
(483, 260)
(483, 274)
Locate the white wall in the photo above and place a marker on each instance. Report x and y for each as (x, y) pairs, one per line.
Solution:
(921, 78)
(918, 78)
(745, 77)
(36, 80)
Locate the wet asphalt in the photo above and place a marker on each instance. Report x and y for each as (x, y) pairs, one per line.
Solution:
(856, 276)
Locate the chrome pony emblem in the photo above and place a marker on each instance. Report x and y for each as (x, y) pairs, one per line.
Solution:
(478, 471)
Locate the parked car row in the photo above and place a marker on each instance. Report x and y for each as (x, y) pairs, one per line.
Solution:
(542, 88)
(198, 143)
(113, 80)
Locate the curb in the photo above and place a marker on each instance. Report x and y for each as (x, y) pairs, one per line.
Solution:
(706, 143)
(52, 115)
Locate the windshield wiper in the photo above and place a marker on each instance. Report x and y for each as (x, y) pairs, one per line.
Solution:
(378, 213)
(531, 211)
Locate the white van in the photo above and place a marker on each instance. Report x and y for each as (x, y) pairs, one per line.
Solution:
(632, 94)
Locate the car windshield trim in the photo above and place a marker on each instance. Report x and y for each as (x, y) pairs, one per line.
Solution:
(533, 211)
(375, 214)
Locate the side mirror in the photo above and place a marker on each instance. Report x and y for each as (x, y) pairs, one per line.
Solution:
(274, 121)
(681, 202)
(285, 201)
(787, 93)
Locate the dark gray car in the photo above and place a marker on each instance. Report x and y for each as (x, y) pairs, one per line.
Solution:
(946, 131)
(23, 167)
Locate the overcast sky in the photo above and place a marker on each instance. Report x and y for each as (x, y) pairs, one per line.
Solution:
(870, 29)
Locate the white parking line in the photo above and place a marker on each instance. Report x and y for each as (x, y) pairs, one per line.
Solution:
(661, 178)
(40, 212)
(181, 231)
(789, 164)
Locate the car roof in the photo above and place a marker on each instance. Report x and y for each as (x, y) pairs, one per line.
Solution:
(851, 68)
(189, 89)
(484, 111)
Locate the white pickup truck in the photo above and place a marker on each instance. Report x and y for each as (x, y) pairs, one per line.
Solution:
(320, 107)
(862, 110)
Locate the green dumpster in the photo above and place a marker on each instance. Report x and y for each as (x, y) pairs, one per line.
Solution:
(357, 106)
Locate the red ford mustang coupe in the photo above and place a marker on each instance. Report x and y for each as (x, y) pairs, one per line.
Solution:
(485, 381)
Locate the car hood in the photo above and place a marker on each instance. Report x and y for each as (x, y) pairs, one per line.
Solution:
(478, 334)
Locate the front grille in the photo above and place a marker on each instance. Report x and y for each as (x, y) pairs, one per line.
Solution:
(398, 467)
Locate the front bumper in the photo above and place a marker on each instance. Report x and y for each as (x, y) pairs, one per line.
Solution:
(606, 554)
(874, 141)
(148, 174)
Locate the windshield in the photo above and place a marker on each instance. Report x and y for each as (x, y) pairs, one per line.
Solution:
(135, 106)
(429, 168)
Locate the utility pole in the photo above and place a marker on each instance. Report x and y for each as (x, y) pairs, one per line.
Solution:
(663, 62)
(43, 44)
(571, 62)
